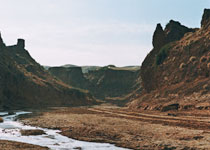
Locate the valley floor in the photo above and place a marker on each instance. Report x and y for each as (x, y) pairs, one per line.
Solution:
(135, 130)
(9, 145)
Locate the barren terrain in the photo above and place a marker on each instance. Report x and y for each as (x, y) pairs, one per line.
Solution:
(135, 130)
(9, 145)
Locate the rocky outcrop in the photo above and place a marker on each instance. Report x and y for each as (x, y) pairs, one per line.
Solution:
(206, 18)
(175, 31)
(21, 43)
(182, 73)
(159, 37)
(26, 84)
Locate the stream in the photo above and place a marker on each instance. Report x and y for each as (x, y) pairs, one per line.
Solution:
(10, 130)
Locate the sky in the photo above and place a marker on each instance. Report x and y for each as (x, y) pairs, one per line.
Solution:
(92, 32)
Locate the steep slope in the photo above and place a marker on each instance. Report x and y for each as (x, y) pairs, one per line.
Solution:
(71, 76)
(176, 72)
(109, 82)
(26, 84)
(104, 83)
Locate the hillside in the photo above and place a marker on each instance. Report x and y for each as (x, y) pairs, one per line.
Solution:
(26, 84)
(106, 83)
(176, 73)
(110, 82)
(70, 75)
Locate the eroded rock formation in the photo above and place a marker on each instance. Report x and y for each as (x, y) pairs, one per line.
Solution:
(21, 43)
(182, 73)
(173, 31)
(206, 18)
(159, 37)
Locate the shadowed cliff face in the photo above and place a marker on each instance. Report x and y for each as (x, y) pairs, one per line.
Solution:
(205, 22)
(182, 74)
(159, 37)
(70, 75)
(173, 31)
(110, 82)
(103, 83)
(25, 84)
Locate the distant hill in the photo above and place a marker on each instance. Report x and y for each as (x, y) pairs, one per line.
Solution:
(26, 84)
(86, 69)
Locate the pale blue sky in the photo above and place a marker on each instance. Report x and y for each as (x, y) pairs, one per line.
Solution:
(92, 32)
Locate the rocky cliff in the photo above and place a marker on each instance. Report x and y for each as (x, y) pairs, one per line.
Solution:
(104, 82)
(177, 70)
(70, 75)
(110, 82)
(26, 84)
(173, 31)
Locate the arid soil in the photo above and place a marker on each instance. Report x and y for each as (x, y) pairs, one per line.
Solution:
(8, 145)
(136, 130)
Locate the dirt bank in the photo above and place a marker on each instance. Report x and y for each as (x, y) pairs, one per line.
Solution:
(9, 145)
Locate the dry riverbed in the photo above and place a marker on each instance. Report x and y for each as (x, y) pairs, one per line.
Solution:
(127, 129)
